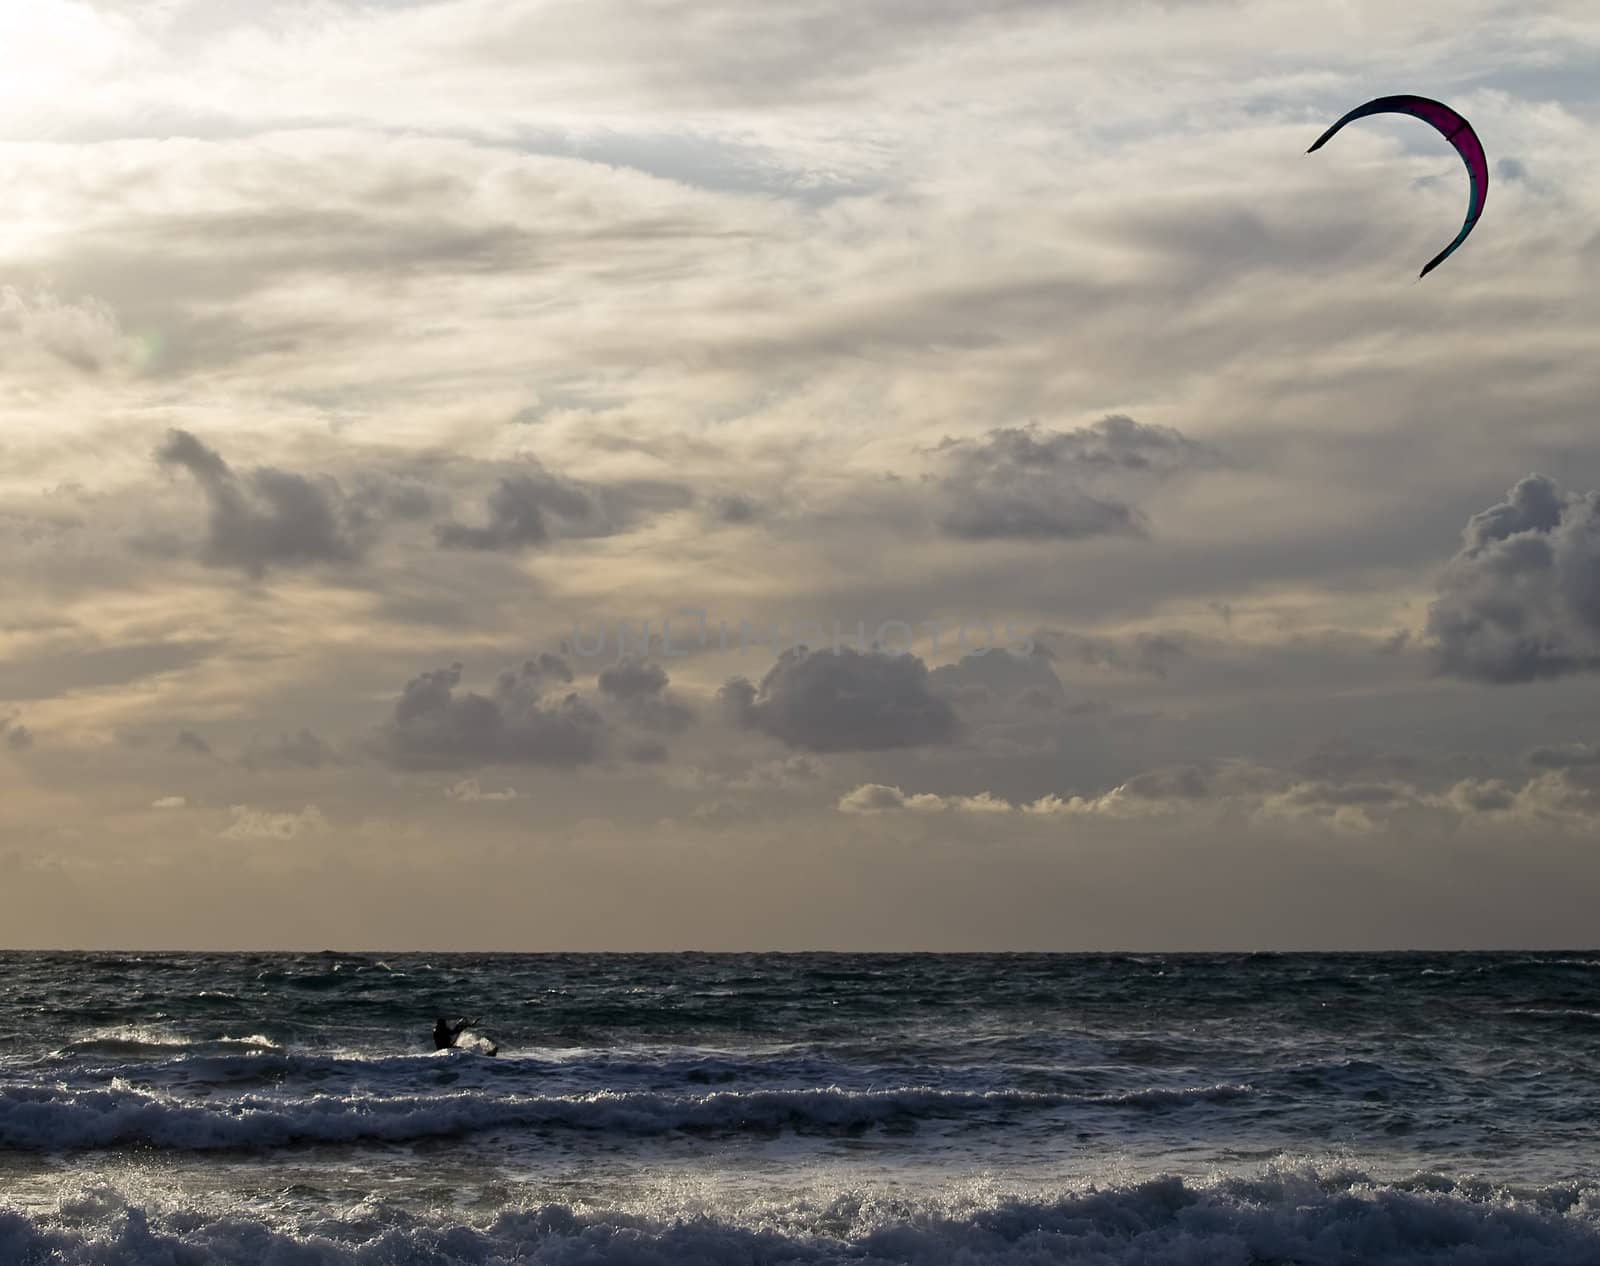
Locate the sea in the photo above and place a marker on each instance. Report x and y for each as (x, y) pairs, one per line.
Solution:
(935, 1110)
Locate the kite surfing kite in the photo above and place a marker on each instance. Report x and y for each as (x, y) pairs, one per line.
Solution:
(1455, 129)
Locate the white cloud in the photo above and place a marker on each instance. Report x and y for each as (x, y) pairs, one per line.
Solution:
(260, 824)
(469, 790)
(1264, 798)
(877, 798)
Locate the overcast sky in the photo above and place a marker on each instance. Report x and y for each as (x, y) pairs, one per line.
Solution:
(375, 373)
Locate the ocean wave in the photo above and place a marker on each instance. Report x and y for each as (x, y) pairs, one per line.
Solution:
(55, 1118)
(232, 1062)
(132, 1042)
(1295, 1217)
(128, 1037)
(1164, 1097)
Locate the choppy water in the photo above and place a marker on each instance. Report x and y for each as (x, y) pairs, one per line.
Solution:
(187, 1109)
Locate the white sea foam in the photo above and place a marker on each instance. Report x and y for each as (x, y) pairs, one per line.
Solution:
(148, 1040)
(1303, 1216)
(55, 1117)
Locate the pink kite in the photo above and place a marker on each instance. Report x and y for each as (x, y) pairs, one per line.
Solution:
(1455, 129)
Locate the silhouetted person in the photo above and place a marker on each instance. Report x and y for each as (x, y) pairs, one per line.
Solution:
(445, 1033)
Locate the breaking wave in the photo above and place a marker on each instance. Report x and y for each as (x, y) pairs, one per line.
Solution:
(51, 1118)
(1298, 1216)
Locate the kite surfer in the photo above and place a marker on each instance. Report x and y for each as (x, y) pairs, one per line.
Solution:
(447, 1035)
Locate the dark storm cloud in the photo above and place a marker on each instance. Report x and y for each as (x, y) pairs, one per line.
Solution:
(269, 517)
(1026, 483)
(435, 726)
(547, 670)
(517, 513)
(640, 689)
(303, 750)
(17, 736)
(633, 679)
(1521, 601)
(999, 678)
(843, 700)
(525, 509)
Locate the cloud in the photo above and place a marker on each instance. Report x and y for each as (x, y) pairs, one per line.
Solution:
(546, 670)
(1479, 796)
(270, 517)
(1551, 799)
(640, 688)
(302, 750)
(518, 510)
(1171, 789)
(435, 727)
(522, 507)
(87, 662)
(736, 508)
(797, 773)
(170, 802)
(1565, 756)
(878, 798)
(391, 497)
(18, 737)
(1144, 654)
(189, 741)
(84, 335)
(1344, 758)
(1520, 602)
(843, 700)
(633, 679)
(1237, 794)
(259, 824)
(787, 773)
(999, 679)
(469, 790)
(1027, 483)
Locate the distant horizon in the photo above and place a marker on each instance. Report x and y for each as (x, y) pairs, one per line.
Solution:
(796, 953)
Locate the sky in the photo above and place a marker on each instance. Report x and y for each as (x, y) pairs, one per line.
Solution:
(851, 474)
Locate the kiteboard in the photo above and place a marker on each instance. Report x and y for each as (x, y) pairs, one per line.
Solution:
(475, 1044)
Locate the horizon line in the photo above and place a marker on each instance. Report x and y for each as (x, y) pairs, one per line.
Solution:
(795, 953)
